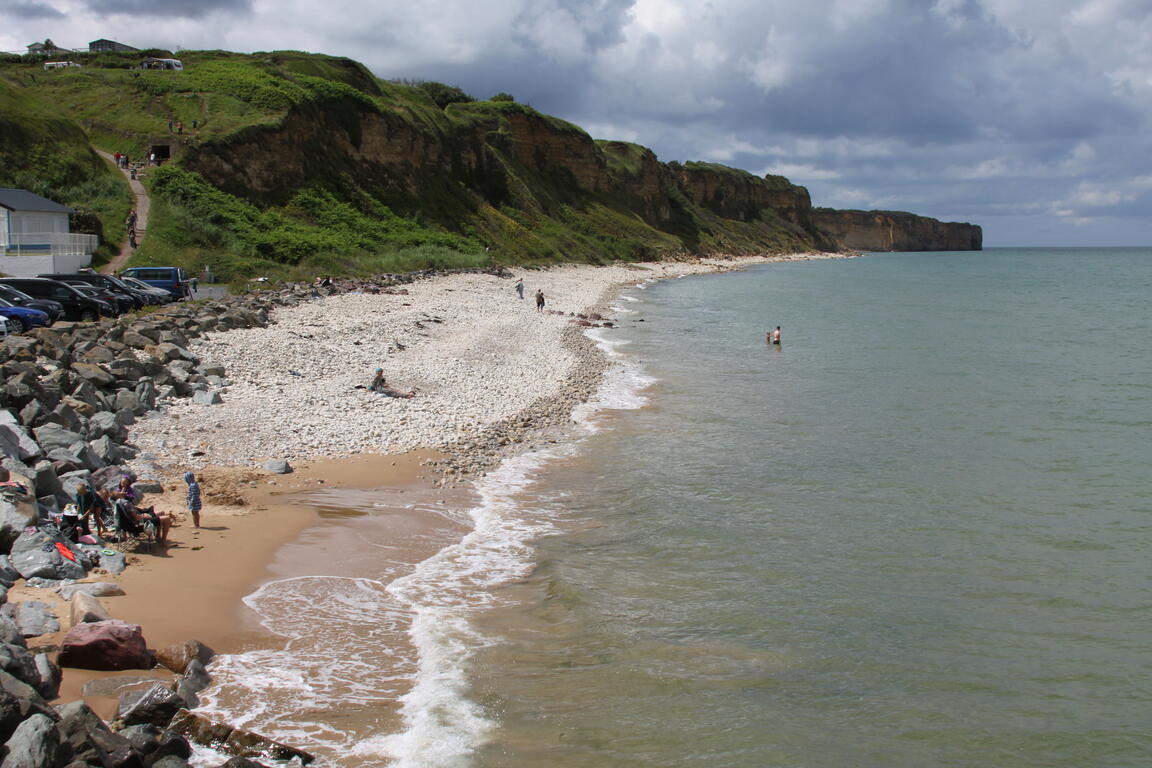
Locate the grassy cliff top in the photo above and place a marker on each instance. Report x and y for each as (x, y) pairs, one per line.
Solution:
(285, 162)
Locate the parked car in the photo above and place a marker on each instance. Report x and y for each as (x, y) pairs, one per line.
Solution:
(172, 279)
(77, 306)
(3, 327)
(20, 319)
(109, 283)
(54, 309)
(118, 301)
(159, 295)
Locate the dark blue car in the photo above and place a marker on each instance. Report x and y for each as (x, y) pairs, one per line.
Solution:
(21, 318)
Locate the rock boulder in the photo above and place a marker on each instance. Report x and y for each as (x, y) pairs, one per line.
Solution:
(105, 645)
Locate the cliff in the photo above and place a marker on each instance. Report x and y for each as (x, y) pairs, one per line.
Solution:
(896, 231)
(286, 159)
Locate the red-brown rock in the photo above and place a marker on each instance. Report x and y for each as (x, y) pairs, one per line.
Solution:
(108, 644)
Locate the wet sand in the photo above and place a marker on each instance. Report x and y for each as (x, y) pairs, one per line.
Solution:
(194, 587)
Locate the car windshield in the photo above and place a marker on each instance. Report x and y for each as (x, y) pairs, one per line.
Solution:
(6, 303)
(13, 295)
(84, 289)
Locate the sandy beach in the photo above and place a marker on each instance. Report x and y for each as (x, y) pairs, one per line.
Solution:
(493, 375)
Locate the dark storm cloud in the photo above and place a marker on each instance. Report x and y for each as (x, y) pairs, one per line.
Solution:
(188, 9)
(31, 11)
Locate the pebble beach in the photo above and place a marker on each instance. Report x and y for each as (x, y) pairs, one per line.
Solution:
(489, 370)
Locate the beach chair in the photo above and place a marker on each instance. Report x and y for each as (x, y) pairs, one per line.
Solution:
(128, 532)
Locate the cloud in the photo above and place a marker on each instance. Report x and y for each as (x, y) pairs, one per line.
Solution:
(31, 10)
(984, 110)
(189, 9)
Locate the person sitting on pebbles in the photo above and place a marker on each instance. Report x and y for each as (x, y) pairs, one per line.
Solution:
(380, 384)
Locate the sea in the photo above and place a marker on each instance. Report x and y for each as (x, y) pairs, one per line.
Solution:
(918, 532)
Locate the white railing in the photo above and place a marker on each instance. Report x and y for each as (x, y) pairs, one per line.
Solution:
(49, 244)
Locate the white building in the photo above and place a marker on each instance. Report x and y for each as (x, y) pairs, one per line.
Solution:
(35, 237)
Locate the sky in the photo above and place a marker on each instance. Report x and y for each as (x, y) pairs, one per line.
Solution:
(1031, 119)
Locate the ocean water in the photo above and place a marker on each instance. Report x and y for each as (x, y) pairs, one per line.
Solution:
(915, 533)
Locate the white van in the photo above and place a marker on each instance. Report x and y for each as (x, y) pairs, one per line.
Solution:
(60, 65)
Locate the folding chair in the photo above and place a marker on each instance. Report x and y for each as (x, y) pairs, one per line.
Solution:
(128, 531)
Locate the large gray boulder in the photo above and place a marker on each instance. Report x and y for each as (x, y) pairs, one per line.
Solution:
(87, 456)
(15, 441)
(89, 737)
(106, 449)
(157, 744)
(33, 618)
(277, 466)
(50, 676)
(36, 555)
(128, 400)
(8, 574)
(10, 714)
(19, 662)
(15, 517)
(45, 478)
(95, 374)
(52, 436)
(155, 706)
(10, 633)
(105, 423)
(34, 744)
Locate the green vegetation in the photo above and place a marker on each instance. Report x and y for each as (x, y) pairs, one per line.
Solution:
(289, 164)
(50, 156)
(198, 225)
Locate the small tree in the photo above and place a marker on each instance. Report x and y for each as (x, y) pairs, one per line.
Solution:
(503, 97)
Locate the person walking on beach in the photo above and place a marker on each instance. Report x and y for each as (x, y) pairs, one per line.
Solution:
(193, 498)
(520, 287)
(539, 300)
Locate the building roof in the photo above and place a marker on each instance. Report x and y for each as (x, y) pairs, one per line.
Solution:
(23, 200)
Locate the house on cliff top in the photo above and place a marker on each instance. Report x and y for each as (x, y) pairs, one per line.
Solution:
(35, 236)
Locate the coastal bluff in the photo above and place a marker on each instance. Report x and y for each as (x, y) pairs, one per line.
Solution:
(307, 161)
(896, 231)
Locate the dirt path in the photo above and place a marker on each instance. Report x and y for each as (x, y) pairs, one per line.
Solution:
(142, 207)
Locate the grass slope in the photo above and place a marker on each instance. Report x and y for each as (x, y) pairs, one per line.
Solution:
(342, 217)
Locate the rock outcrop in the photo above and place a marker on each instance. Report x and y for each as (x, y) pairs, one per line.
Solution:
(896, 231)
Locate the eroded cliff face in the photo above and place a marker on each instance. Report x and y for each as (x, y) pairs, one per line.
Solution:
(542, 147)
(269, 163)
(742, 196)
(514, 156)
(896, 231)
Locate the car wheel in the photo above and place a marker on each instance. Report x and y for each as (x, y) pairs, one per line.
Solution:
(15, 325)
(88, 315)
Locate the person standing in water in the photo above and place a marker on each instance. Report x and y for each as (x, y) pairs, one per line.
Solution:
(776, 335)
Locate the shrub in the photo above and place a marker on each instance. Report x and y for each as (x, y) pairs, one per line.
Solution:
(443, 95)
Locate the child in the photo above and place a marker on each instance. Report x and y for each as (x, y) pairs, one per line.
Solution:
(193, 498)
